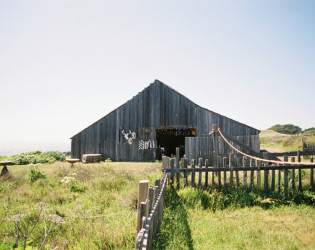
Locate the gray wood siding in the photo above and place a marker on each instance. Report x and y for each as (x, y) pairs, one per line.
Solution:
(202, 147)
(157, 106)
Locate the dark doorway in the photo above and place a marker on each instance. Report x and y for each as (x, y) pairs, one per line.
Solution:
(169, 139)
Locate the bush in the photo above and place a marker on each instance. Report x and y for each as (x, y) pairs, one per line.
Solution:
(286, 129)
(77, 188)
(36, 157)
(34, 174)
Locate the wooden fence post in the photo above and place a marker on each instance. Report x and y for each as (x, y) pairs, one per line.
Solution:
(224, 173)
(212, 180)
(219, 172)
(193, 173)
(215, 144)
(293, 174)
(177, 167)
(172, 163)
(237, 172)
(143, 193)
(258, 163)
(300, 171)
(185, 161)
(266, 173)
(244, 174)
(252, 173)
(206, 174)
(151, 197)
(286, 182)
(312, 175)
(200, 173)
(231, 167)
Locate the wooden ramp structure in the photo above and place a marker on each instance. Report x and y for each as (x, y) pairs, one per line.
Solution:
(239, 169)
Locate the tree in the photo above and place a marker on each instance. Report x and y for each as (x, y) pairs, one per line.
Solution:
(287, 129)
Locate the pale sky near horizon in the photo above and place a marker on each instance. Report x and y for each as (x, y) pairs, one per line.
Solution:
(64, 64)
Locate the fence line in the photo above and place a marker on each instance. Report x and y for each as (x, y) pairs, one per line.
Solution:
(224, 166)
(150, 211)
(240, 172)
(258, 158)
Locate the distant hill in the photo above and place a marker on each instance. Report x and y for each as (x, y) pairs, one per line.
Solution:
(273, 141)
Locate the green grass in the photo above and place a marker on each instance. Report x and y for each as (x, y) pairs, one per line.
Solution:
(98, 204)
(234, 219)
(271, 140)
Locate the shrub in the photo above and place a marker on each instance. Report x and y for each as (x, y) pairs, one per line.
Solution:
(36, 157)
(34, 174)
(77, 188)
(286, 129)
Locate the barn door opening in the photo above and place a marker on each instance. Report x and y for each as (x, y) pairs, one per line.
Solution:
(169, 139)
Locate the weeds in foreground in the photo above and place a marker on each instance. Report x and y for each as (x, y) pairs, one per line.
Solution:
(96, 201)
(25, 224)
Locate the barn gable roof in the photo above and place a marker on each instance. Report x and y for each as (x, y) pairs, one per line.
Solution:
(150, 86)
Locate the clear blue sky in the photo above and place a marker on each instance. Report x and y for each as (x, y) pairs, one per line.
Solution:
(66, 63)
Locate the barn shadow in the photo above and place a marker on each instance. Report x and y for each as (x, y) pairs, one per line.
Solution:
(175, 230)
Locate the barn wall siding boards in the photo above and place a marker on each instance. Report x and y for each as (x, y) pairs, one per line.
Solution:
(157, 106)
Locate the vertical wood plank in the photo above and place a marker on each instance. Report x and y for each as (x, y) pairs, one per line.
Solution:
(215, 144)
(286, 181)
(200, 173)
(279, 181)
(237, 173)
(312, 175)
(231, 167)
(212, 180)
(177, 167)
(252, 173)
(300, 171)
(266, 174)
(293, 175)
(273, 180)
(206, 174)
(193, 173)
(164, 162)
(244, 173)
(172, 165)
(224, 174)
(258, 164)
(143, 192)
(219, 172)
(185, 160)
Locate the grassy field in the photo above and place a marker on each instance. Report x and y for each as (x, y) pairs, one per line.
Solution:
(93, 206)
(233, 219)
(95, 203)
(277, 142)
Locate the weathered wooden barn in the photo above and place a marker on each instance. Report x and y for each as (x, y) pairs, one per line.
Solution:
(155, 122)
